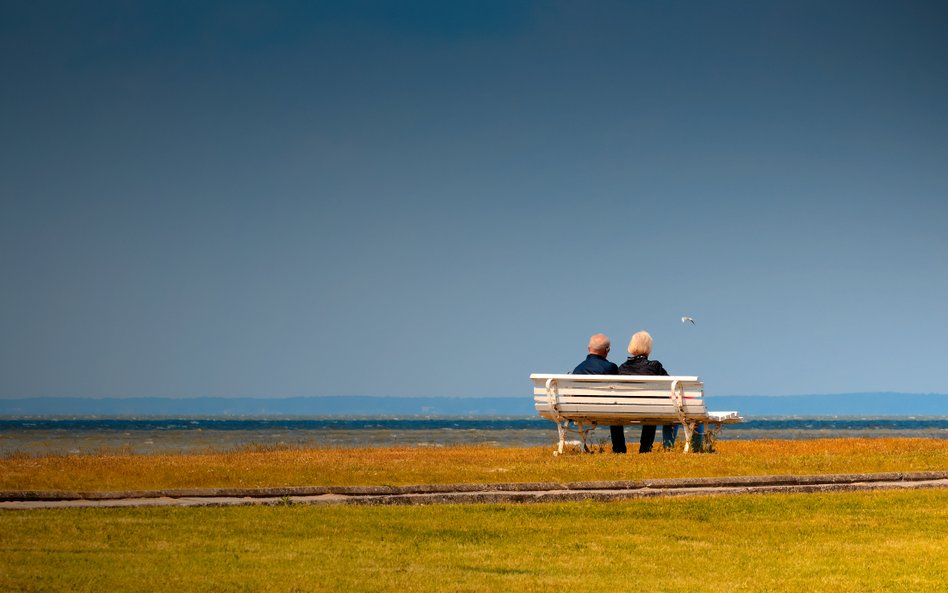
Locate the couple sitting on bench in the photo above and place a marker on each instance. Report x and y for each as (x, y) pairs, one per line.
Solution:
(640, 347)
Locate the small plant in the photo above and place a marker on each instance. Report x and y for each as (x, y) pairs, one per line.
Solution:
(600, 446)
(709, 442)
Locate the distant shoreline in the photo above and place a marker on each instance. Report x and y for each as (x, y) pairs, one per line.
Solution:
(860, 405)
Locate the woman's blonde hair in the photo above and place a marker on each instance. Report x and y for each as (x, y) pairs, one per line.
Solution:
(641, 343)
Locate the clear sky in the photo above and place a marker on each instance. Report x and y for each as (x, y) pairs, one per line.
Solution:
(439, 198)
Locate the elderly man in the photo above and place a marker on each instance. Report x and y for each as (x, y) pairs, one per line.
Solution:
(596, 364)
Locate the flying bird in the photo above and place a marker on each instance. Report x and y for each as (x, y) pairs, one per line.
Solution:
(687, 319)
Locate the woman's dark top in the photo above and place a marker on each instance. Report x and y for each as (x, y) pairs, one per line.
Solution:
(641, 365)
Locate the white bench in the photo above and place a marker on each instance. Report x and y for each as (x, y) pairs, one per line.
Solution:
(586, 401)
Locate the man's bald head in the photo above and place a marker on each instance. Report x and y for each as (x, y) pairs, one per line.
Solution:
(599, 344)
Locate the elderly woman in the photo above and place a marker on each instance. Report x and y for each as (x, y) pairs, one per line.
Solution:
(638, 364)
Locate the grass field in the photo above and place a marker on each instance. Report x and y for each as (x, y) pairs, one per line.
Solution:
(842, 542)
(340, 467)
(838, 542)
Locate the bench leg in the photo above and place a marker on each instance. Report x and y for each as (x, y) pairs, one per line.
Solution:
(561, 429)
(689, 431)
(584, 435)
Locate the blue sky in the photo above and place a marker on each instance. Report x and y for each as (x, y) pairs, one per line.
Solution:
(439, 198)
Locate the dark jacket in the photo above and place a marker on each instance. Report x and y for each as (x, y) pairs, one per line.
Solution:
(596, 365)
(641, 365)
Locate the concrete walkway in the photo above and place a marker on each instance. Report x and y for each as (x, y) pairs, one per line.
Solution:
(472, 493)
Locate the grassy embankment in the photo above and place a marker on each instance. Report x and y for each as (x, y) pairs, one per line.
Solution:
(334, 467)
(839, 543)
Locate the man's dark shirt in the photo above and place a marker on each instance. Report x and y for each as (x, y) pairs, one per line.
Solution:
(596, 365)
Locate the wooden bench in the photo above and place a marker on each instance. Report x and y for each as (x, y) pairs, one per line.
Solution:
(580, 403)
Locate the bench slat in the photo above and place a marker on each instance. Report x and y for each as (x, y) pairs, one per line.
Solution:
(627, 420)
(542, 377)
(618, 400)
(668, 410)
(664, 392)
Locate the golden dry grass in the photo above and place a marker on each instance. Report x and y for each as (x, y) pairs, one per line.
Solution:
(340, 467)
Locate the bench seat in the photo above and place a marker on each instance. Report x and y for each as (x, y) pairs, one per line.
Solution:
(579, 403)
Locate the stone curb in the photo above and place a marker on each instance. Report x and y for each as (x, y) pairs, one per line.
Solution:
(479, 497)
(513, 492)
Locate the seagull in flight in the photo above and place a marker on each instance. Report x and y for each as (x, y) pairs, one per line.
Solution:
(687, 319)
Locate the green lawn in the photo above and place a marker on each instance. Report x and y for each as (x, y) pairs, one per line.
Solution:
(841, 542)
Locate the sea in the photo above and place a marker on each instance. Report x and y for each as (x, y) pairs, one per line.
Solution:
(38, 436)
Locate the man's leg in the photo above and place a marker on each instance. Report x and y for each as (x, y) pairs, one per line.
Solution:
(618, 439)
(646, 440)
(669, 432)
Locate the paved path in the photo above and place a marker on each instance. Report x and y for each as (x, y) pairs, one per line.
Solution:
(472, 493)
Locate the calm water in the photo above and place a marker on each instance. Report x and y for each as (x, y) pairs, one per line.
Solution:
(38, 436)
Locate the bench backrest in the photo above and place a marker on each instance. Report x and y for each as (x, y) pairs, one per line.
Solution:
(618, 399)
